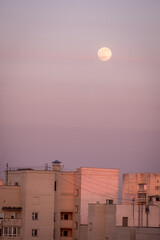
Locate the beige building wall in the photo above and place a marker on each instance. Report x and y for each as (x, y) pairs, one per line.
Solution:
(64, 207)
(106, 222)
(96, 184)
(140, 186)
(137, 215)
(55, 203)
(37, 198)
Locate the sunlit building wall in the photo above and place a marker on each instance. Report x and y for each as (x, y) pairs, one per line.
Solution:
(141, 188)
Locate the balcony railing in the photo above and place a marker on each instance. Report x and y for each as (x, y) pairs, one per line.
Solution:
(66, 223)
(11, 222)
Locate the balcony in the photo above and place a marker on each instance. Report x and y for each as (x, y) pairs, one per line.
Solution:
(11, 222)
(66, 224)
(66, 238)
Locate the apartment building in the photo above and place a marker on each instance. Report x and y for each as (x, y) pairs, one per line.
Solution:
(117, 222)
(142, 188)
(52, 203)
(10, 212)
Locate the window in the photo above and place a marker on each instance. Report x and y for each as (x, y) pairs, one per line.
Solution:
(1, 215)
(12, 215)
(157, 199)
(34, 232)
(142, 186)
(34, 216)
(66, 232)
(125, 221)
(11, 232)
(66, 215)
(141, 195)
(55, 186)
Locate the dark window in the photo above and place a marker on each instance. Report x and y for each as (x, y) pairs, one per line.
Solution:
(125, 221)
(65, 216)
(65, 233)
(34, 232)
(55, 186)
(34, 216)
(157, 199)
(141, 195)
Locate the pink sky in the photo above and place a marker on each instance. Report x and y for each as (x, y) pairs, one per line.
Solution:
(58, 101)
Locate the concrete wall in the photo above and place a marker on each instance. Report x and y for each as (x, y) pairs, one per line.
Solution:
(64, 202)
(10, 196)
(105, 222)
(97, 184)
(131, 183)
(131, 233)
(139, 218)
(37, 196)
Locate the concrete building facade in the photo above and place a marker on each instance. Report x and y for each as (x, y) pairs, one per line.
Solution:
(53, 204)
(123, 222)
(142, 188)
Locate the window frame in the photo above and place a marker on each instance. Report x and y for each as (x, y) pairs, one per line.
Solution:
(35, 216)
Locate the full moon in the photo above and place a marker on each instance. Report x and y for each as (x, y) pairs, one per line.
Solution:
(104, 54)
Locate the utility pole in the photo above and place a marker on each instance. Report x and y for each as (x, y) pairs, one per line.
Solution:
(133, 200)
(7, 174)
(133, 230)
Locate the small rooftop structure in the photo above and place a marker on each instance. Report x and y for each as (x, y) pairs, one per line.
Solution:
(56, 162)
(56, 166)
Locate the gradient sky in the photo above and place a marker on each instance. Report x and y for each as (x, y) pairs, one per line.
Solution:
(59, 101)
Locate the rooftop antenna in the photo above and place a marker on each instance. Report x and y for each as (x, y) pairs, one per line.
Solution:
(7, 174)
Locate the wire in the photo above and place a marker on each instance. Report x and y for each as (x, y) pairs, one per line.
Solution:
(79, 187)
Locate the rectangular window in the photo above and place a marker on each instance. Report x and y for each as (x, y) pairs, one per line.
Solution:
(157, 199)
(142, 186)
(35, 216)
(141, 195)
(125, 221)
(5, 231)
(1, 215)
(66, 215)
(11, 231)
(14, 231)
(12, 215)
(55, 186)
(34, 232)
(65, 233)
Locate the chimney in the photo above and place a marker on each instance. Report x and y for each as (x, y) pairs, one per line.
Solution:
(56, 166)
